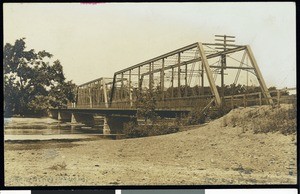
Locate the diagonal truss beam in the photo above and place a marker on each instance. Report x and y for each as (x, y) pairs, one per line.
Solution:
(259, 75)
(194, 45)
(209, 74)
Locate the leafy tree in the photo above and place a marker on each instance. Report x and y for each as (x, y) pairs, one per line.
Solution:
(61, 94)
(146, 104)
(29, 80)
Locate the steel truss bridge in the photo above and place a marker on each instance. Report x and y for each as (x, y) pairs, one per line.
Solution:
(185, 79)
(181, 80)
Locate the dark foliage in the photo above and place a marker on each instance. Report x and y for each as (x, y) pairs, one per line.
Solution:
(31, 84)
(133, 130)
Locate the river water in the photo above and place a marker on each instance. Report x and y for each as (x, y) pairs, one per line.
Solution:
(44, 126)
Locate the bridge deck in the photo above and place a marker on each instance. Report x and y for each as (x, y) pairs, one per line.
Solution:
(122, 112)
(175, 107)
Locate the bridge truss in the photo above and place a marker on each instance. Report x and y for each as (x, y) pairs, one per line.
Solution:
(184, 78)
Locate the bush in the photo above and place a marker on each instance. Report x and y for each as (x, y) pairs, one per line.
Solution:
(282, 120)
(215, 114)
(195, 117)
(269, 120)
(133, 130)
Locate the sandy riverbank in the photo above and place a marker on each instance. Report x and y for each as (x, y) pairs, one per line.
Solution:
(211, 154)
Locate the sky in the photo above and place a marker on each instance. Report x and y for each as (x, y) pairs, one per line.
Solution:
(96, 40)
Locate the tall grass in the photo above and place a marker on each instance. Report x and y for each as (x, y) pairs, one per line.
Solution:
(265, 119)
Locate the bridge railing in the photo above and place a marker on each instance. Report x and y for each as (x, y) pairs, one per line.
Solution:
(287, 96)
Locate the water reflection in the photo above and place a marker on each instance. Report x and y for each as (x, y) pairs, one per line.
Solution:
(45, 126)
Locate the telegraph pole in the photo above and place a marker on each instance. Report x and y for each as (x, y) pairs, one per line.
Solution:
(222, 42)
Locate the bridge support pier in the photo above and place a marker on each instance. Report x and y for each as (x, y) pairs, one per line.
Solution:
(106, 128)
(58, 116)
(73, 119)
(109, 124)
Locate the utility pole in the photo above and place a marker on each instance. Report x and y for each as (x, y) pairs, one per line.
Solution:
(222, 42)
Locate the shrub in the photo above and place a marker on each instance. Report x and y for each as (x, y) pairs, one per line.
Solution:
(214, 114)
(195, 117)
(133, 130)
(275, 120)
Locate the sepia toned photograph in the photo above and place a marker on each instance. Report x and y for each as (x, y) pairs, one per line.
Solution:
(149, 94)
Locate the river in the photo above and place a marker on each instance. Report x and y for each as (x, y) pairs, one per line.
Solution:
(18, 128)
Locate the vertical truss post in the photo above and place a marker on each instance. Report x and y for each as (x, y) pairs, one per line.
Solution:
(122, 86)
(84, 96)
(178, 74)
(112, 91)
(117, 93)
(90, 96)
(93, 94)
(172, 82)
(129, 88)
(139, 79)
(259, 76)
(101, 93)
(87, 95)
(105, 92)
(162, 77)
(98, 93)
(209, 74)
(76, 97)
(150, 76)
(185, 87)
(97, 102)
(79, 97)
(141, 83)
(202, 78)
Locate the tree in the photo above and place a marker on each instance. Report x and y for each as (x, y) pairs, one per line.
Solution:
(146, 105)
(29, 80)
(61, 94)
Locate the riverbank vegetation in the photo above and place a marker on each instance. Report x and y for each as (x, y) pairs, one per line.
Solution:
(273, 118)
